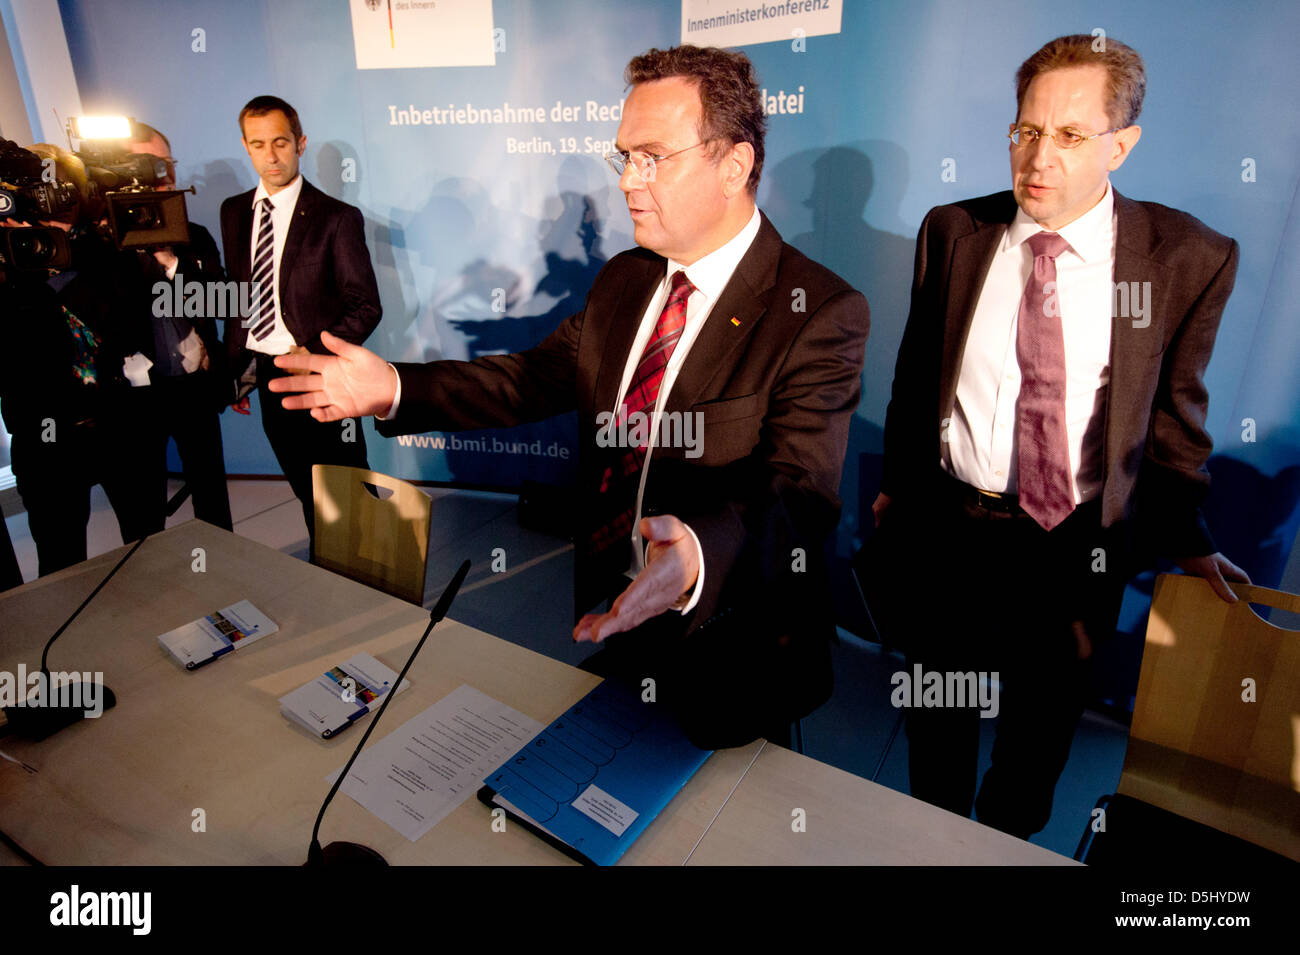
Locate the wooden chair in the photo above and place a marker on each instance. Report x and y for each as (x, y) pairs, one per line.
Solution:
(379, 540)
(1216, 731)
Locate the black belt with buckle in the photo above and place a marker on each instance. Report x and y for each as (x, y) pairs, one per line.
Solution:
(993, 501)
(988, 500)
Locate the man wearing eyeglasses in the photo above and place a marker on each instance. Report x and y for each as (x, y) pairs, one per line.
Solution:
(713, 317)
(1047, 426)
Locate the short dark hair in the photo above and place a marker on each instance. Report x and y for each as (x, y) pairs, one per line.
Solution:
(1126, 77)
(261, 105)
(731, 107)
(144, 133)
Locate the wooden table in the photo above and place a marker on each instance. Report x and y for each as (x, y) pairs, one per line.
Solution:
(124, 789)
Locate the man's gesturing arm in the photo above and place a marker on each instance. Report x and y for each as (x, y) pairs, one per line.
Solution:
(352, 382)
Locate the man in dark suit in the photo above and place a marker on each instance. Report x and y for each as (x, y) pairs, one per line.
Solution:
(188, 386)
(1047, 427)
(714, 324)
(307, 252)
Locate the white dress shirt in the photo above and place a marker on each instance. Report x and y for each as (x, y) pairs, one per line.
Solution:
(279, 341)
(980, 446)
(710, 276)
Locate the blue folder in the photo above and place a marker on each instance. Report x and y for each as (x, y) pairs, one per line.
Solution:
(592, 781)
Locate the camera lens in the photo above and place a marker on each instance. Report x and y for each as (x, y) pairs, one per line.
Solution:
(142, 217)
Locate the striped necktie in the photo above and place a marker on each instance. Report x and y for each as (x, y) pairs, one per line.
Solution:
(263, 318)
(619, 483)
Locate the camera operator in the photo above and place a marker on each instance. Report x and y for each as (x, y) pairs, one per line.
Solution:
(62, 386)
(187, 389)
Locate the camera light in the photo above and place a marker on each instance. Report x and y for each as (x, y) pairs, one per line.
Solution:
(101, 127)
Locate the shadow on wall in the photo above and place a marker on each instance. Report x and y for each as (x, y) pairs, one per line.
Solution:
(338, 174)
(467, 304)
(213, 185)
(852, 193)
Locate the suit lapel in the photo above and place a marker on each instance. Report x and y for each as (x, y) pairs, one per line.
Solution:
(720, 339)
(972, 256)
(1134, 343)
(243, 265)
(293, 242)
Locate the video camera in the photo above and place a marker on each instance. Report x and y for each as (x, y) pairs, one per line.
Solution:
(139, 216)
(26, 195)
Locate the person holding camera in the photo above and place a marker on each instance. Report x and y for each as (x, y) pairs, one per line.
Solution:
(62, 381)
(186, 388)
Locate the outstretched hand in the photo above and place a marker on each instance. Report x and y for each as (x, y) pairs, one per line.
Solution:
(352, 382)
(672, 567)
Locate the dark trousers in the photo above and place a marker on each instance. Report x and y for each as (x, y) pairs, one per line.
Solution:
(299, 440)
(186, 410)
(55, 477)
(1005, 597)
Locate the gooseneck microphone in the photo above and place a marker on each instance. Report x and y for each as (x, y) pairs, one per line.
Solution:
(351, 853)
(54, 709)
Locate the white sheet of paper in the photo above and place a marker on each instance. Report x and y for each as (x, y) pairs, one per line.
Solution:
(416, 775)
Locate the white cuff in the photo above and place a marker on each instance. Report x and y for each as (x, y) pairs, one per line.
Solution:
(397, 398)
(686, 603)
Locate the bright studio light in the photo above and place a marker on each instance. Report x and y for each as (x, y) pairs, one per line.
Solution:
(101, 127)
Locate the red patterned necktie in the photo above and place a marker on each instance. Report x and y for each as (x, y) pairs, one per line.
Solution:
(619, 483)
(1043, 446)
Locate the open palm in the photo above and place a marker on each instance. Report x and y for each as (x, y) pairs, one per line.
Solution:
(352, 382)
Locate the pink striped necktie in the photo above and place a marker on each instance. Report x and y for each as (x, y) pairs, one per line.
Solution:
(1043, 457)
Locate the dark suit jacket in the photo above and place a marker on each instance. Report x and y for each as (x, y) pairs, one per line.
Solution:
(1156, 444)
(198, 261)
(36, 362)
(777, 388)
(326, 280)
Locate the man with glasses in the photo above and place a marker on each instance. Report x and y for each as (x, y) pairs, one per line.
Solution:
(1047, 426)
(713, 317)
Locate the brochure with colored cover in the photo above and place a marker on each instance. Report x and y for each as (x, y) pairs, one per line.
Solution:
(592, 781)
(334, 701)
(204, 640)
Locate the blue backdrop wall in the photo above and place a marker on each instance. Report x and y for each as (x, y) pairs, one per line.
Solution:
(459, 224)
